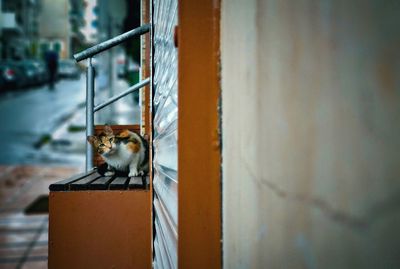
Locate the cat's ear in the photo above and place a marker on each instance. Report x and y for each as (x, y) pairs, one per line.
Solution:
(107, 130)
(92, 139)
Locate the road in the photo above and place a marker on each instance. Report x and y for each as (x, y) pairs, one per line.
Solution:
(30, 114)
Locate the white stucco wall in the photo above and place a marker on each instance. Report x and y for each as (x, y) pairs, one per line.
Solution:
(311, 133)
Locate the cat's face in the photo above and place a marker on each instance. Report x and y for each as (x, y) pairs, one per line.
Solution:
(104, 143)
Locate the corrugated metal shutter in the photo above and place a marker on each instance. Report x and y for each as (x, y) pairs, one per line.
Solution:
(165, 110)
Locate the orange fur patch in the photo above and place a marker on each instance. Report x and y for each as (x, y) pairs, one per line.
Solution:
(124, 133)
(134, 146)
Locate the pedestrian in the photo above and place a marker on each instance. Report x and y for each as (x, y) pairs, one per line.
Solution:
(51, 58)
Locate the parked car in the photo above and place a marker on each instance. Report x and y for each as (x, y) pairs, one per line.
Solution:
(11, 76)
(2, 84)
(30, 71)
(68, 69)
(43, 70)
(42, 75)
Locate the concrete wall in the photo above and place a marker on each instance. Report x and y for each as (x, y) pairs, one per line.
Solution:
(311, 133)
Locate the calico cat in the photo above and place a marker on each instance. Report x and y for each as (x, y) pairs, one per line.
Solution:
(123, 152)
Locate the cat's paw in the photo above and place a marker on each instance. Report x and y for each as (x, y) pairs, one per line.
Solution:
(109, 173)
(134, 174)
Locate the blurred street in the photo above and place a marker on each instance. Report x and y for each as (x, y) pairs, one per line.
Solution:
(30, 116)
(43, 137)
(42, 106)
(47, 126)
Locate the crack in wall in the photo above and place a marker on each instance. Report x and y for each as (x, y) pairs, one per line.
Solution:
(378, 211)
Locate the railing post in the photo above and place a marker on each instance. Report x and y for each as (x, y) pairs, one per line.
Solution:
(89, 112)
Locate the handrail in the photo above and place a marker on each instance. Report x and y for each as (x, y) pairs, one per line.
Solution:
(90, 52)
(133, 88)
(89, 112)
(90, 71)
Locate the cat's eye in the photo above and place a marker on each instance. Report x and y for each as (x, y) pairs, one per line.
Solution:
(111, 139)
(101, 145)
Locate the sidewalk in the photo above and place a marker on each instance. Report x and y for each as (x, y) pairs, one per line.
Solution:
(24, 238)
(70, 136)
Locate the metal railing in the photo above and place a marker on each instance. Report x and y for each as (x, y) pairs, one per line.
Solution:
(90, 72)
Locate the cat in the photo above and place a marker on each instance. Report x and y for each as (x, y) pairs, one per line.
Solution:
(123, 152)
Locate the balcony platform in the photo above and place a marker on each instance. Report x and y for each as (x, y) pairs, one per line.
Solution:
(100, 222)
(94, 181)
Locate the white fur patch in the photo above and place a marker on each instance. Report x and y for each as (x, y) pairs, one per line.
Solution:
(124, 159)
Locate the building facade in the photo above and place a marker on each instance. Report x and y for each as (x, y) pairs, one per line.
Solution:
(55, 28)
(19, 28)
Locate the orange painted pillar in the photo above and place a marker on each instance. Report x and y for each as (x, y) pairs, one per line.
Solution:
(199, 152)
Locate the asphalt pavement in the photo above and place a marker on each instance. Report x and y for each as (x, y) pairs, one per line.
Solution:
(28, 116)
(42, 126)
